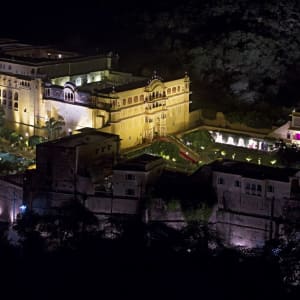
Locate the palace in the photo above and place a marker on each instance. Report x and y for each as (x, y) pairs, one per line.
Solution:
(39, 83)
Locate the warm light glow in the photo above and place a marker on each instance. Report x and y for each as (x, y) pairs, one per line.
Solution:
(31, 167)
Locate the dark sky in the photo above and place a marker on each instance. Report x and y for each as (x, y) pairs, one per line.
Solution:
(59, 20)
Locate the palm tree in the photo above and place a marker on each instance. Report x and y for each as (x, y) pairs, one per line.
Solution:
(54, 127)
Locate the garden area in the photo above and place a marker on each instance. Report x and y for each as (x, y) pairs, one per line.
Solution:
(17, 152)
(202, 142)
(169, 152)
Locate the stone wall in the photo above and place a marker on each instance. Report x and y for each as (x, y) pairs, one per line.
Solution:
(196, 119)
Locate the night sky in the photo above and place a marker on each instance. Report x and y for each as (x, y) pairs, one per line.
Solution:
(56, 21)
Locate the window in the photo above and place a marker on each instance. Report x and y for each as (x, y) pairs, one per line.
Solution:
(130, 192)
(248, 188)
(129, 100)
(16, 96)
(258, 190)
(270, 189)
(237, 183)
(4, 93)
(10, 104)
(9, 95)
(135, 99)
(174, 90)
(168, 91)
(220, 180)
(78, 81)
(16, 106)
(130, 177)
(142, 98)
(178, 89)
(124, 101)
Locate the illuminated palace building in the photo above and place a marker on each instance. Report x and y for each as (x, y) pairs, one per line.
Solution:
(39, 83)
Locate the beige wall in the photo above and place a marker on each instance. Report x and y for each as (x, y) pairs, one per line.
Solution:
(132, 111)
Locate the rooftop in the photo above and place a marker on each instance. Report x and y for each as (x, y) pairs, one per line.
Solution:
(144, 162)
(123, 87)
(74, 140)
(254, 171)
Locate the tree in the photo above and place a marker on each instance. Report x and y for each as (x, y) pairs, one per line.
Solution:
(54, 127)
(2, 116)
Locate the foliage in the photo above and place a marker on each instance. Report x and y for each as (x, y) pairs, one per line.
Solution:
(68, 226)
(173, 204)
(35, 139)
(14, 137)
(165, 149)
(5, 132)
(198, 139)
(202, 213)
(2, 116)
(53, 127)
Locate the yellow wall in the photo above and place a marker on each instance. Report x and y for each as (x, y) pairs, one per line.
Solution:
(162, 107)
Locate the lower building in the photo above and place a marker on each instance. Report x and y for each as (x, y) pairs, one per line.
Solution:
(129, 187)
(11, 197)
(253, 201)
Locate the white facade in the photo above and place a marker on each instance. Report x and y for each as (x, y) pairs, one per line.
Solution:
(252, 205)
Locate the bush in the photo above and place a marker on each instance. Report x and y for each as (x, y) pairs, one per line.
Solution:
(35, 139)
(5, 132)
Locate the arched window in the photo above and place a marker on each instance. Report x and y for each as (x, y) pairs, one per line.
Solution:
(16, 96)
(174, 89)
(168, 91)
(16, 106)
(142, 98)
(136, 99)
(129, 100)
(4, 93)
